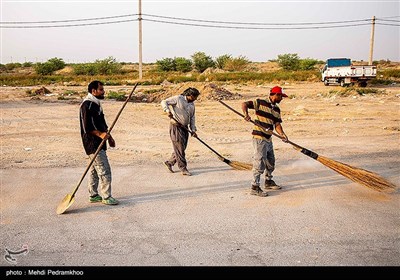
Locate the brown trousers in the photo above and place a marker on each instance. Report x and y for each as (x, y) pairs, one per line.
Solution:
(179, 137)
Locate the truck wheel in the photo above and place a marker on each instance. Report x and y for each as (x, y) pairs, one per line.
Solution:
(363, 84)
(326, 83)
(342, 83)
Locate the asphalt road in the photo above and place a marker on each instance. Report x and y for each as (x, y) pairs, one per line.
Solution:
(319, 218)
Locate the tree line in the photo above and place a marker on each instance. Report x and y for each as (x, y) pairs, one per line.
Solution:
(199, 62)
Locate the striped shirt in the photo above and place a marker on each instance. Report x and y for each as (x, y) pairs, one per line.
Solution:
(267, 115)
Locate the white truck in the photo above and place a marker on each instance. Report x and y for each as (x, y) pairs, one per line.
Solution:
(341, 71)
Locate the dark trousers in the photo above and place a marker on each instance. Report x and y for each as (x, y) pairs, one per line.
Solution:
(179, 137)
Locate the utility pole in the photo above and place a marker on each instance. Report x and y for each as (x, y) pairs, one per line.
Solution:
(371, 43)
(140, 40)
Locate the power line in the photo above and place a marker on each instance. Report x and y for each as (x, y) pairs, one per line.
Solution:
(195, 20)
(183, 19)
(388, 24)
(69, 25)
(392, 17)
(255, 28)
(67, 20)
(216, 24)
(391, 20)
(255, 23)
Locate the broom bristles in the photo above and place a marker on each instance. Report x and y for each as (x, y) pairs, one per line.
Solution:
(364, 177)
(240, 165)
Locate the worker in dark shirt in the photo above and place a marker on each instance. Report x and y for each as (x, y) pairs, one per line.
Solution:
(93, 131)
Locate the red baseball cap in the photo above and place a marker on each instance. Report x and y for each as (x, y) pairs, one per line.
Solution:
(277, 90)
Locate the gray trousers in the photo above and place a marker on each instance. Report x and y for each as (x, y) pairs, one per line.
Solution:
(100, 172)
(263, 160)
(179, 137)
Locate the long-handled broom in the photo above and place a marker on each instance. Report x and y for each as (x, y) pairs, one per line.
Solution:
(234, 164)
(364, 177)
(70, 198)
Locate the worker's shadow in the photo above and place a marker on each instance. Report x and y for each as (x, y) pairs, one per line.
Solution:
(202, 170)
(293, 182)
(169, 194)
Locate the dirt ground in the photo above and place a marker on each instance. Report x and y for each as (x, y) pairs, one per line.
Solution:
(40, 134)
(42, 131)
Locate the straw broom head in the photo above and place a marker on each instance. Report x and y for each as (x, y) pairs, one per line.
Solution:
(236, 164)
(364, 177)
(240, 165)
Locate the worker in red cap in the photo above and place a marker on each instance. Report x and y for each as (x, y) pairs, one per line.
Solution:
(268, 115)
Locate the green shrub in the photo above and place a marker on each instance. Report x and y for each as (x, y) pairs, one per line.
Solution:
(236, 64)
(44, 68)
(308, 64)
(390, 73)
(11, 66)
(202, 61)
(58, 63)
(290, 61)
(166, 64)
(85, 69)
(107, 66)
(49, 66)
(180, 64)
(221, 60)
(183, 64)
(27, 64)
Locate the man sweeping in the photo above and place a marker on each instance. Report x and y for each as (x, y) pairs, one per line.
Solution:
(181, 108)
(268, 115)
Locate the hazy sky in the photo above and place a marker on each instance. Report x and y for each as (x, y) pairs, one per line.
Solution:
(161, 40)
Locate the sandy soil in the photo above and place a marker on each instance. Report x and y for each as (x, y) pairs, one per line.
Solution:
(42, 131)
(318, 218)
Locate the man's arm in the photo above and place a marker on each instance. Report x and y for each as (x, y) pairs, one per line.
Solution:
(100, 134)
(167, 102)
(279, 129)
(245, 109)
(192, 123)
(103, 135)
